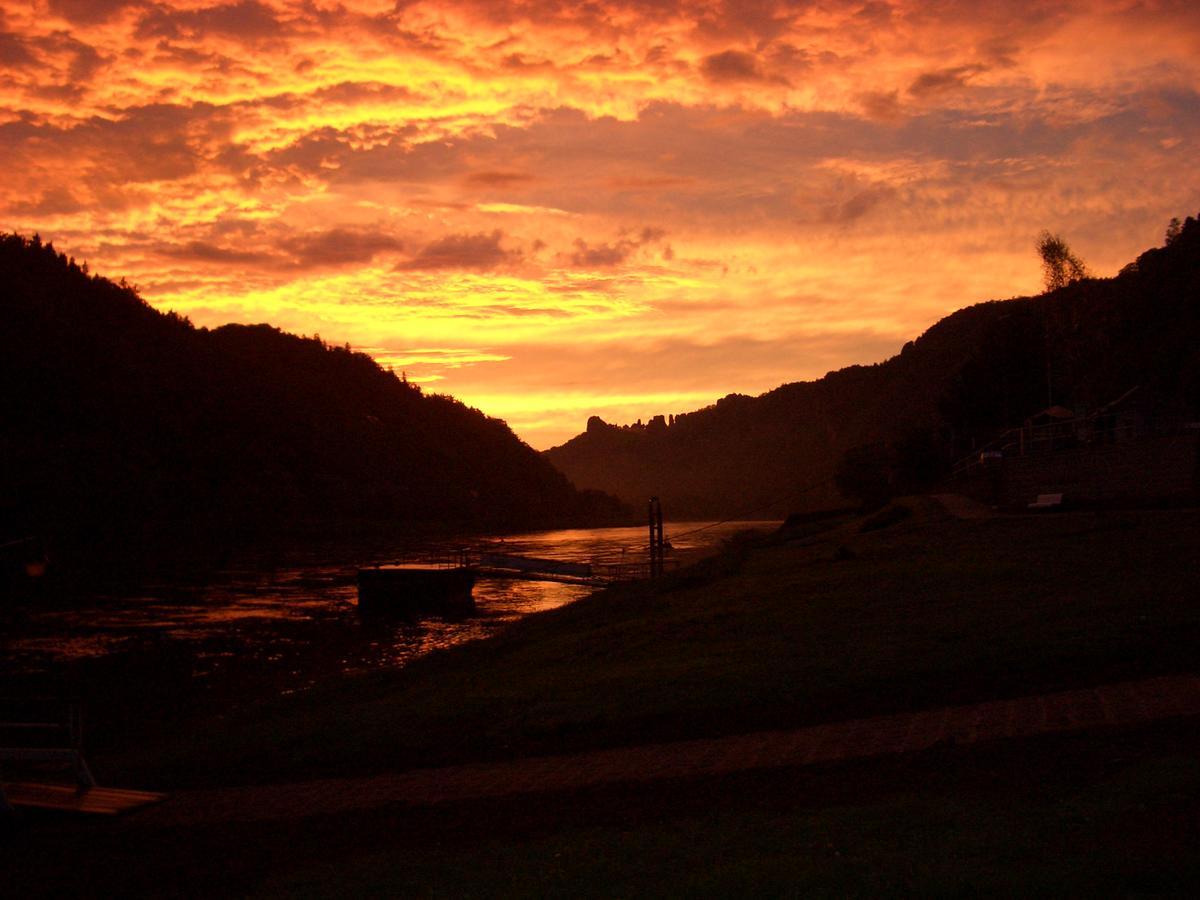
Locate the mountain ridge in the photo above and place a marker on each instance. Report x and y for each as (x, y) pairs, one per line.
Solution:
(972, 374)
(120, 417)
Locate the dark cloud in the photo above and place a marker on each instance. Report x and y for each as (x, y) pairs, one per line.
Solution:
(698, 162)
(716, 170)
(165, 51)
(339, 246)
(147, 143)
(461, 251)
(54, 201)
(228, 224)
(737, 66)
(792, 59)
(493, 178)
(88, 12)
(332, 153)
(518, 62)
(68, 92)
(15, 52)
(656, 54)
(880, 104)
(85, 60)
(202, 251)
(246, 20)
(351, 92)
(857, 205)
(587, 256)
(941, 80)
(1001, 52)
(751, 20)
(309, 153)
(875, 13)
(46, 54)
(229, 241)
(762, 20)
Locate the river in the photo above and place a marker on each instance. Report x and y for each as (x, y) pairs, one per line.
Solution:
(290, 619)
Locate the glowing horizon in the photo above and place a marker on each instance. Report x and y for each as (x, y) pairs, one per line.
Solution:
(620, 209)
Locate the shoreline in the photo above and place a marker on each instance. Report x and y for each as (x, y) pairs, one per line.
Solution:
(716, 648)
(130, 675)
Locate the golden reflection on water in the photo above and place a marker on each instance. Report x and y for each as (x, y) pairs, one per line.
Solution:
(301, 618)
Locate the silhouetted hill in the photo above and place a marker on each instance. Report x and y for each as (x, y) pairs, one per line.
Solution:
(973, 374)
(117, 416)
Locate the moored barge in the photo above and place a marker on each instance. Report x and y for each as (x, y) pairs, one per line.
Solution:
(409, 589)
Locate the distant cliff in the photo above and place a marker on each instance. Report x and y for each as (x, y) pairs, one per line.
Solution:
(119, 417)
(975, 373)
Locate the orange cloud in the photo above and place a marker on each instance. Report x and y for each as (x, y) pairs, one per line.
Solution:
(559, 199)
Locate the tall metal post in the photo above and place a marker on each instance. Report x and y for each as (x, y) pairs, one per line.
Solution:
(653, 545)
(662, 544)
(657, 543)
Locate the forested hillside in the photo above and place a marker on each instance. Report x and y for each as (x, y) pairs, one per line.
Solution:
(120, 418)
(977, 372)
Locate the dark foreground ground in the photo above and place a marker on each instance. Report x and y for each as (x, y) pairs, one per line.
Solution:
(1083, 815)
(922, 611)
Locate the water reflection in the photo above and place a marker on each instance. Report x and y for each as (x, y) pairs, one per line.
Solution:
(297, 616)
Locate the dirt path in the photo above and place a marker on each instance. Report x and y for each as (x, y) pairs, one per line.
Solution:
(1115, 705)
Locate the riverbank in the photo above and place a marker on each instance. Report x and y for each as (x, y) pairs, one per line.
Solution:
(827, 623)
(191, 638)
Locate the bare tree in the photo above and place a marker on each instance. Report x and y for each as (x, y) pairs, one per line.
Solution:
(1060, 266)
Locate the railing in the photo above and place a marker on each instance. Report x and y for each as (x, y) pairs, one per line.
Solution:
(630, 571)
(532, 567)
(515, 565)
(458, 558)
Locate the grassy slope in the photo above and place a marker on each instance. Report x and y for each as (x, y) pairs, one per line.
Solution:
(928, 611)
(925, 611)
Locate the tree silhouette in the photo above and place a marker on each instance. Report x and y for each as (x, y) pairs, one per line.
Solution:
(1174, 229)
(122, 420)
(1060, 266)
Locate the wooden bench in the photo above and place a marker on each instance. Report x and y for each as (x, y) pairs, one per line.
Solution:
(68, 798)
(57, 737)
(1047, 501)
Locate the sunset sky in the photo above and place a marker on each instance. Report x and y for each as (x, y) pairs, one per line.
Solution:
(552, 210)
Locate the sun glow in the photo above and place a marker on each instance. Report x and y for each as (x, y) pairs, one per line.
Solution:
(553, 211)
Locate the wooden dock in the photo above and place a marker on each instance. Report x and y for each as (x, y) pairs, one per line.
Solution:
(441, 581)
(439, 571)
